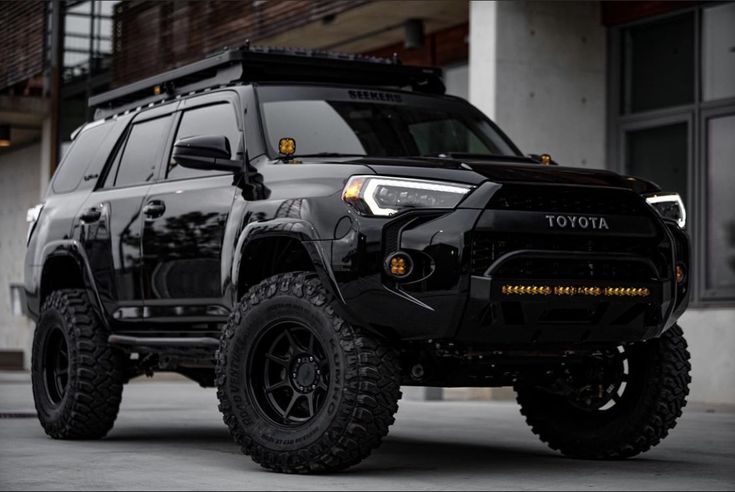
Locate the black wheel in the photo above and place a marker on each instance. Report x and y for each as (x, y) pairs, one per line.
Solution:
(617, 407)
(300, 389)
(77, 378)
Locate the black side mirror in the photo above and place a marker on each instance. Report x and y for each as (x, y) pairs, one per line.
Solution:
(210, 153)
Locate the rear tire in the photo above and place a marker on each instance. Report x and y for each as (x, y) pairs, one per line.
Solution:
(300, 389)
(77, 377)
(656, 388)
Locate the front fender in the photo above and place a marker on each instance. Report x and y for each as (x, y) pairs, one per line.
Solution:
(301, 230)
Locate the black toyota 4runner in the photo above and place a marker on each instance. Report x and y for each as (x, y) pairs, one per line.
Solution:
(308, 232)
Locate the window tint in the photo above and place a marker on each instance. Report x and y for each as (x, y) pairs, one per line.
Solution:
(659, 66)
(718, 52)
(660, 154)
(142, 152)
(720, 148)
(81, 153)
(377, 129)
(217, 120)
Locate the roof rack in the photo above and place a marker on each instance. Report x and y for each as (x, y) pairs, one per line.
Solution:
(263, 64)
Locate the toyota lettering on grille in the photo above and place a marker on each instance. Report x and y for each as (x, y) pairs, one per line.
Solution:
(577, 222)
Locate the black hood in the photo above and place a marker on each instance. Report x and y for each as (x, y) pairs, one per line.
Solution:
(501, 170)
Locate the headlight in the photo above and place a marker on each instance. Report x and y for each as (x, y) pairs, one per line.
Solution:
(32, 217)
(372, 195)
(669, 206)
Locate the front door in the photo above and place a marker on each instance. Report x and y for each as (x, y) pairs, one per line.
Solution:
(184, 218)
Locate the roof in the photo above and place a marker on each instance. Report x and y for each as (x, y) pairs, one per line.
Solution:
(260, 64)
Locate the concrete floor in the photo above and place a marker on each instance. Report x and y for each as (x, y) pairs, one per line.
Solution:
(169, 435)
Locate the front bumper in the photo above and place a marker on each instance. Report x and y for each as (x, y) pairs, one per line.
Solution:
(458, 295)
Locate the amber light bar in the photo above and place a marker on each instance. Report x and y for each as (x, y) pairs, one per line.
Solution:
(559, 290)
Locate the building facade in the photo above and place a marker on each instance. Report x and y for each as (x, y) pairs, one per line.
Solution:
(644, 88)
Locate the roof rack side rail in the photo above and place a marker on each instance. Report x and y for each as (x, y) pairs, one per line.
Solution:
(264, 64)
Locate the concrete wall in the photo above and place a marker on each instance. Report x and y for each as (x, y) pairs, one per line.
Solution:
(538, 69)
(711, 337)
(20, 184)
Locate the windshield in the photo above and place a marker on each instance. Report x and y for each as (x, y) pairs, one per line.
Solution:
(359, 122)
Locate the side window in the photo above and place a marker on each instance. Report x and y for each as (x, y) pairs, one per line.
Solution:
(141, 154)
(218, 119)
(82, 151)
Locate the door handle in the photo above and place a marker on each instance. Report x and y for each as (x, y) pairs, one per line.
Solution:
(91, 215)
(154, 209)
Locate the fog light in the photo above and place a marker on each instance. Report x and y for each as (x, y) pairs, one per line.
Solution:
(679, 274)
(399, 265)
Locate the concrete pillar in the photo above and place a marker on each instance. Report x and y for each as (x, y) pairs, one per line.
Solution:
(538, 70)
(45, 161)
(483, 61)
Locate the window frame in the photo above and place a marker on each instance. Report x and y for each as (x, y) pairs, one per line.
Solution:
(112, 165)
(709, 295)
(619, 122)
(229, 98)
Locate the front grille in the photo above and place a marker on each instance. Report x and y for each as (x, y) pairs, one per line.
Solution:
(487, 247)
(563, 199)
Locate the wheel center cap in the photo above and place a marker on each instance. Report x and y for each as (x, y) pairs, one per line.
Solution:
(306, 374)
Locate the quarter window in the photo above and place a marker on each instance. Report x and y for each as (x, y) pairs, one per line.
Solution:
(82, 151)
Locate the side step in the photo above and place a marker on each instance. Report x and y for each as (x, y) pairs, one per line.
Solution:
(165, 345)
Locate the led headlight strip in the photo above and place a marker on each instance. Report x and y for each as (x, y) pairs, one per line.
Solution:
(661, 202)
(566, 290)
(363, 192)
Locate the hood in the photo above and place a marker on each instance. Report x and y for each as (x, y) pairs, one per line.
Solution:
(501, 170)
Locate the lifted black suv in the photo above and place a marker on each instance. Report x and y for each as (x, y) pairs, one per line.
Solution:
(308, 232)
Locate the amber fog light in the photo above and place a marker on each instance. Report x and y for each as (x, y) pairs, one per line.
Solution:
(399, 265)
(679, 274)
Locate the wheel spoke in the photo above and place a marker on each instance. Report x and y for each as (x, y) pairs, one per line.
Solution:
(294, 398)
(293, 345)
(322, 385)
(275, 386)
(281, 361)
(311, 343)
(310, 404)
(59, 385)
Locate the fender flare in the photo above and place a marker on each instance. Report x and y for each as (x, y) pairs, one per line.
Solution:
(292, 228)
(70, 248)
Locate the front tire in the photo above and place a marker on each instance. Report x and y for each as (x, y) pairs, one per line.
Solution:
(595, 425)
(301, 390)
(77, 377)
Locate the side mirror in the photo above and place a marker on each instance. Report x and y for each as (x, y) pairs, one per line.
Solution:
(210, 153)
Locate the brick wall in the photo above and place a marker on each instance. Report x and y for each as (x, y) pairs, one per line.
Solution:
(22, 41)
(158, 36)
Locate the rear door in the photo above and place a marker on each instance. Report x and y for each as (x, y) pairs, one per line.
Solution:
(110, 220)
(185, 214)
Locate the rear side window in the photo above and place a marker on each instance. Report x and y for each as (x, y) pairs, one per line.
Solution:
(218, 119)
(81, 153)
(141, 154)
